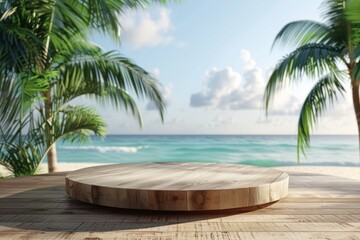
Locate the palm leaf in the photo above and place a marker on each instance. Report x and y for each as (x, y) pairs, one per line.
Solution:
(73, 123)
(10, 102)
(299, 33)
(310, 60)
(73, 85)
(336, 18)
(21, 154)
(325, 91)
(103, 14)
(121, 99)
(20, 45)
(18, 93)
(112, 71)
(352, 9)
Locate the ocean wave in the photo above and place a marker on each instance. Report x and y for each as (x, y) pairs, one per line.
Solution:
(104, 149)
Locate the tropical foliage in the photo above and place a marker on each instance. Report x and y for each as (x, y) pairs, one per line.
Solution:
(47, 61)
(329, 52)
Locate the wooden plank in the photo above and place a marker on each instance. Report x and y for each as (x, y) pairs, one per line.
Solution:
(37, 207)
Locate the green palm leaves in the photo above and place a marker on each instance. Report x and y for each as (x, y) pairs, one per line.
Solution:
(324, 92)
(21, 154)
(326, 51)
(47, 62)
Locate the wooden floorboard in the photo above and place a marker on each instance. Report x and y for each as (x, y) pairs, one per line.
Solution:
(317, 207)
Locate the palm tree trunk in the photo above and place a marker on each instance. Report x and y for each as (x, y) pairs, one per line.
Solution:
(356, 102)
(49, 134)
(52, 159)
(49, 128)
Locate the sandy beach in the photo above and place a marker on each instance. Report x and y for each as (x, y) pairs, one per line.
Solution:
(345, 172)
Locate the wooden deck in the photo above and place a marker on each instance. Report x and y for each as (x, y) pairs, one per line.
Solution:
(317, 207)
(177, 186)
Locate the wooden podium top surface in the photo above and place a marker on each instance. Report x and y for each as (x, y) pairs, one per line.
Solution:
(177, 176)
(177, 186)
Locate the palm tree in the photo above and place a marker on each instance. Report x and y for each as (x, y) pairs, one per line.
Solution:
(47, 61)
(327, 51)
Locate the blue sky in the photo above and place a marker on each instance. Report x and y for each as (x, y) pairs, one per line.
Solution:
(213, 59)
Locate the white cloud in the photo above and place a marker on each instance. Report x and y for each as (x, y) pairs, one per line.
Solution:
(249, 96)
(248, 62)
(285, 104)
(227, 89)
(147, 29)
(156, 73)
(219, 83)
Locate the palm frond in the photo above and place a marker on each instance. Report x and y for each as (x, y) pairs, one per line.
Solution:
(73, 85)
(120, 99)
(20, 44)
(22, 154)
(103, 14)
(333, 11)
(299, 33)
(32, 88)
(352, 10)
(74, 123)
(324, 92)
(7, 13)
(312, 60)
(112, 70)
(19, 47)
(18, 93)
(335, 16)
(10, 100)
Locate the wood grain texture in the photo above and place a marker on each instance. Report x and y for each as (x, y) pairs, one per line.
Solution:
(170, 186)
(317, 207)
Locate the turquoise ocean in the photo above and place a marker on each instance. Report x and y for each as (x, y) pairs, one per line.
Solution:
(238, 149)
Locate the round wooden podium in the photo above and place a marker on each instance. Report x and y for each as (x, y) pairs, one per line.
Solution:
(177, 186)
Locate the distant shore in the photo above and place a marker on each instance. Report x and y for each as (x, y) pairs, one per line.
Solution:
(345, 172)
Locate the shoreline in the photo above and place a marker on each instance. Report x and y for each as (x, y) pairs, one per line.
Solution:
(338, 171)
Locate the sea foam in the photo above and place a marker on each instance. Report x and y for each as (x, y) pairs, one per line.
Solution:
(104, 149)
